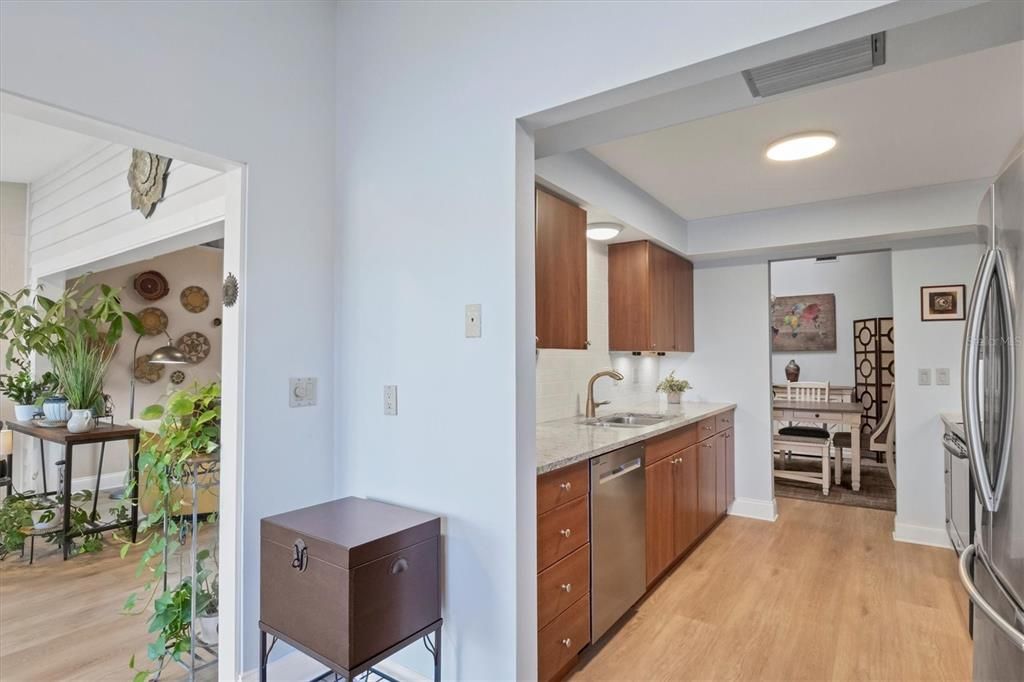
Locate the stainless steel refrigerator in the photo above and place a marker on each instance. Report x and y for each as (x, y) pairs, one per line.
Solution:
(992, 568)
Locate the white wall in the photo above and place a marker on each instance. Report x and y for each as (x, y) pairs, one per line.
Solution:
(255, 83)
(862, 284)
(562, 375)
(427, 222)
(920, 489)
(81, 212)
(13, 198)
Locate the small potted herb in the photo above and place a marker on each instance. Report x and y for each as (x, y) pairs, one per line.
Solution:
(24, 391)
(673, 387)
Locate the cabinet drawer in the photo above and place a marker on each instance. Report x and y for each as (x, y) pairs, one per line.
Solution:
(706, 428)
(724, 421)
(562, 584)
(558, 487)
(563, 638)
(662, 446)
(562, 531)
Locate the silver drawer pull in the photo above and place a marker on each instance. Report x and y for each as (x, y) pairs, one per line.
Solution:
(567, 642)
(399, 565)
(566, 532)
(567, 486)
(300, 556)
(567, 587)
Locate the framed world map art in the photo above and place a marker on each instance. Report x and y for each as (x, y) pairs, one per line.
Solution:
(803, 323)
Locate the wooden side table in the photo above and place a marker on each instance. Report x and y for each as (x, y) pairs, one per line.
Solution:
(103, 433)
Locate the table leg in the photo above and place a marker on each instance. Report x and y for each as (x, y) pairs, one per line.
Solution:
(263, 655)
(10, 474)
(99, 473)
(66, 521)
(855, 454)
(437, 655)
(42, 462)
(135, 489)
(839, 466)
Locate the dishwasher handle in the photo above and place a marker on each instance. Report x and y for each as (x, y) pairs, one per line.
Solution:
(621, 470)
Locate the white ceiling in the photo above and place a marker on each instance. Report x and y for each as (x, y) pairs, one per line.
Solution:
(29, 150)
(946, 121)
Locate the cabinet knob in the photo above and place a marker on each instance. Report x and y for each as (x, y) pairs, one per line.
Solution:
(707, 428)
(567, 587)
(566, 532)
(567, 642)
(567, 486)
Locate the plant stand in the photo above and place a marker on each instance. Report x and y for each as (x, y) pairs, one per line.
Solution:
(200, 473)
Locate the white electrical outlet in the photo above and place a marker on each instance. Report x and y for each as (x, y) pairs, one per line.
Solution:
(391, 400)
(301, 391)
(924, 377)
(942, 376)
(474, 323)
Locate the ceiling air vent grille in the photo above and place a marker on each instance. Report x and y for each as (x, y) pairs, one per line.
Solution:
(810, 68)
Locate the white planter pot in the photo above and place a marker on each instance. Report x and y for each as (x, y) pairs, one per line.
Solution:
(24, 413)
(207, 630)
(56, 409)
(37, 521)
(674, 398)
(81, 421)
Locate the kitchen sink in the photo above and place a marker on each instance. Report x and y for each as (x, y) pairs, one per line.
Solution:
(626, 419)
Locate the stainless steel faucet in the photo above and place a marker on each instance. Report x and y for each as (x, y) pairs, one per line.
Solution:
(591, 405)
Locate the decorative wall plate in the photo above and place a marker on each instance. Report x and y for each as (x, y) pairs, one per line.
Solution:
(230, 290)
(153, 320)
(194, 299)
(151, 285)
(147, 179)
(147, 372)
(195, 346)
(177, 376)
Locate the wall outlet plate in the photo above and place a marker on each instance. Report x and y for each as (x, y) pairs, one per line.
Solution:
(301, 391)
(391, 400)
(474, 323)
(942, 376)
(924, 377)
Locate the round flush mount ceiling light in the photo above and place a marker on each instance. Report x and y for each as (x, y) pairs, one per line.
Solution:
(801, 146)
(602, 232)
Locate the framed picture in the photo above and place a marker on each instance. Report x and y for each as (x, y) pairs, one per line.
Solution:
(804, 323)
(943, 302)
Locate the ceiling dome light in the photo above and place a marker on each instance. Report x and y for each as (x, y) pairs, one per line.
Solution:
(801, 146)
(602, 232)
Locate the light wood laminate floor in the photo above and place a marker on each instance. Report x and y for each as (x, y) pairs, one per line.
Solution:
(824, 593)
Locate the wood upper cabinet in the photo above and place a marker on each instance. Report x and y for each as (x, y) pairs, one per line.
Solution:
(561, 269)
(660, 511)
(650, 298)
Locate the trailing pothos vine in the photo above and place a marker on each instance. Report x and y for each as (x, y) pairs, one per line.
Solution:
(189, 429)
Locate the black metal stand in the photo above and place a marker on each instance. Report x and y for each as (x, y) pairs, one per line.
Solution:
(433, 645)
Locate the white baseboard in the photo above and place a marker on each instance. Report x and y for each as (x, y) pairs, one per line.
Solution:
(114, 479)
(763, 510)
(921, 535)
(297, 667)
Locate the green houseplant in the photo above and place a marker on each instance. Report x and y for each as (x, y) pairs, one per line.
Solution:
(80, 364)
(674, 388)
(189, 429)
(24, 391)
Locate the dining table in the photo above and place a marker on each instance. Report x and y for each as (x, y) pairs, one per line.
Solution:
(840, 414)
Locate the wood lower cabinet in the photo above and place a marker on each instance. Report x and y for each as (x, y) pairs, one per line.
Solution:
(559, 642)
(661, 511)
(561, 273)
(650, 298)
(687, 509)
(721, 476)
(707, 484)
(730, 466)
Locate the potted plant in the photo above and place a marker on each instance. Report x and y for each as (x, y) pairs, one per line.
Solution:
(80, 364)
(673, 387)
(15, 517)
(207, 596)
(24, 391)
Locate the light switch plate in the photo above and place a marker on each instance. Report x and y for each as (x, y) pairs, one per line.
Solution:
(474, 323)
(391, 400)
(942, 376)
(924, 377)
(301, 391)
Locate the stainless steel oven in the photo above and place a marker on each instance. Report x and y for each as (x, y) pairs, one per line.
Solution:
(959, 491)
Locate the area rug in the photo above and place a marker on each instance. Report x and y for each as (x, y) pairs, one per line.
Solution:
(876, 490)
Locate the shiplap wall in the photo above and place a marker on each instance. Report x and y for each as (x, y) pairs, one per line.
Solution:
(81, 212)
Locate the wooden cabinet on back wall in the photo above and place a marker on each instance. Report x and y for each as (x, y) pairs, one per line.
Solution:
(650, 299)
(561, 269)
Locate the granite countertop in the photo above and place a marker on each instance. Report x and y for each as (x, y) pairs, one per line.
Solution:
(954, 421)
(566, 441)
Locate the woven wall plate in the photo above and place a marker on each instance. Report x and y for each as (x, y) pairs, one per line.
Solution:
(177, 376)
(195, 346)
(194, 299)
(151, 285)
(153, 320)
(147, 372)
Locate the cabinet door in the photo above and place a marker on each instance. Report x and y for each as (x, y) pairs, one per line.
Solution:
(730, 466)
(721, 476)
(629, 297)
(663, 266)
(685, 504)
(561, 271)
(683, 301)
(707, 487)
(660, 532)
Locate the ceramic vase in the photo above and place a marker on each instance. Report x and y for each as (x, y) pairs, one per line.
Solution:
(56, 409)
(37, 518)
(207, 630)
(81, 421)
(792, 371)
(674, 397)
(24, 413)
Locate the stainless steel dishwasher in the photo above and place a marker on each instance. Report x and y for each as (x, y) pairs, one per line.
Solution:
(618, 539)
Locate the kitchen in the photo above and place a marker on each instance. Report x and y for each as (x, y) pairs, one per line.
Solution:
(636, 492)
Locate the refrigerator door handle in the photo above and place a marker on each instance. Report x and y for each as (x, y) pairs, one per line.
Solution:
(972, 349)
(1015, 635)
(1009, 348)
